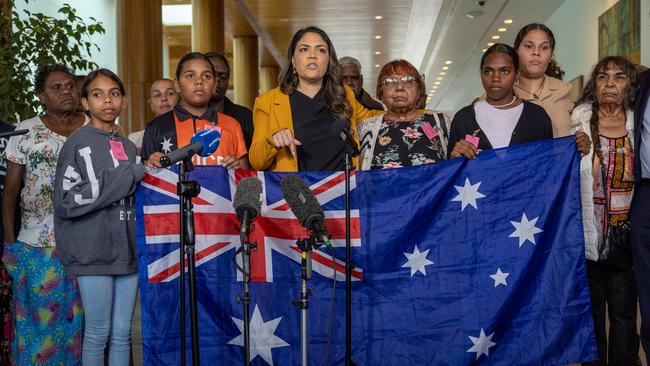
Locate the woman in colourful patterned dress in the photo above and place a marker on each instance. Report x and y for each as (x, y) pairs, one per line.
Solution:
(606, 184)
(47, 308)
(404, 135)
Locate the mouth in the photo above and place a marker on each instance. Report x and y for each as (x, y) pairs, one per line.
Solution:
(312, 66)
(109, 111)
(198, 92)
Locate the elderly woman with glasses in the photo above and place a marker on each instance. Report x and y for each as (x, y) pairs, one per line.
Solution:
(404, 135)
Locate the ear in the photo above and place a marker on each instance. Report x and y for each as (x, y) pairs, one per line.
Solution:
(84, 103)
(41, 98)
(125, 102)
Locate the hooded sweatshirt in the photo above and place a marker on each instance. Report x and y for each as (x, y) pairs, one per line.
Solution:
(94, 215)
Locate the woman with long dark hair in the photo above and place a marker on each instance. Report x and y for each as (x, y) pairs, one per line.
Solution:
(605, 113)
(293, 121)
(539, 79)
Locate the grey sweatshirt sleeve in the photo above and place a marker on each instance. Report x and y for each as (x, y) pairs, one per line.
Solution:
(84, 185)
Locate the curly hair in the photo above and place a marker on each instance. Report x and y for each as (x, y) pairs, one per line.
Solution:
(335, 98)
(553, 68)
(589, 94)
(45, 71)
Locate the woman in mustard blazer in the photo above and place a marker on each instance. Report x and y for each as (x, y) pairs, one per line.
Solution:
(292, 121)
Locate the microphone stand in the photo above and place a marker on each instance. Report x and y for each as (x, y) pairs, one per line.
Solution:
(306, 246)
(245, 298)
(348, 263)
(186, 190)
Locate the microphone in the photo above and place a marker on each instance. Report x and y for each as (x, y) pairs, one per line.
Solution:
(305, 207)
(341, 129)
(13, 133)
(204, 143)
(247, 203)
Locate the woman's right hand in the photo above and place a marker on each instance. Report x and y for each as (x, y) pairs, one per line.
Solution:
(464, 148)
(284, 138)
(154, 160)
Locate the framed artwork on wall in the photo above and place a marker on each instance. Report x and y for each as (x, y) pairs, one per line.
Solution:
(619, 31)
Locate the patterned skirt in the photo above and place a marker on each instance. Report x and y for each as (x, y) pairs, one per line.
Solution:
(48, 316)
(6, 324)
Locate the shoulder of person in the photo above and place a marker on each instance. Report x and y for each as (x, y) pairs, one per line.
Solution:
(371, 120)
(226, 120)
(533, 108)
(29, 123)
(465, 112)
(269, 97)
(558, 86)
(582, 113)
(162, 120)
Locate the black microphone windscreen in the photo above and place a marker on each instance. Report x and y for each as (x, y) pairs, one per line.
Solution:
(301, 200)
(247, 197)
(338, 126)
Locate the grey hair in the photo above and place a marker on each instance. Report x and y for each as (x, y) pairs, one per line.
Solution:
(347, 60)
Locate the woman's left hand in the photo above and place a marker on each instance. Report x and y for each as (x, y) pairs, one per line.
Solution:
(231, 162)
(583, 143)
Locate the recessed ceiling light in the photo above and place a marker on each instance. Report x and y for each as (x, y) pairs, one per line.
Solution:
(378, 37)
(448, 62)
(431, 94)
(440, 78)
(379, 17)
(490, 44)
(377, 52)
(507, 21)
(474, 14)
(435, 87)
(445, 67)
(496, 36)
(442, 73)
(437, 83)
(377, 65)
(501, 30)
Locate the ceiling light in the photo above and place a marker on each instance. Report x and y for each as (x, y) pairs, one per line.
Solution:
(483, 50)
(490, 44)
(501, 30)
(378, 37)
(445, 67)
(379, 17)
(440, 78)
(437, 83)
(377, 52)
(448, 62)
(377, 65)
(496, 36)
(430, 94)
(507, 21)
(474, 14)
(442, 73)
(435, 87)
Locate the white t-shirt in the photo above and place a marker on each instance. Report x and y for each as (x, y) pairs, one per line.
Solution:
(497, 124)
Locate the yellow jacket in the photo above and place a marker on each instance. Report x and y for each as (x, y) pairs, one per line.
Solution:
(272, 113)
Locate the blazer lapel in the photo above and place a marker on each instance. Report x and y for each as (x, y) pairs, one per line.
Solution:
(282, 111)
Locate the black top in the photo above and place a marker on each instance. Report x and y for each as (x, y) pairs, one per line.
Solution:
(534, 124)
(320, 150)
(404, 143)
(244, 116)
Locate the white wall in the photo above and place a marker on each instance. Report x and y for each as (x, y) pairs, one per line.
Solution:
(575, 25)
(104, 11)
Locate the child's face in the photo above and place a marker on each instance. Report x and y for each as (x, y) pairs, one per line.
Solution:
(196, 82)
(104, 101)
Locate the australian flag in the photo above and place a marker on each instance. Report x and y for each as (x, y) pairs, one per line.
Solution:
(455, 263)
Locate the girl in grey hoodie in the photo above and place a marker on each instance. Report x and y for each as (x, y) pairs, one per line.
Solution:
(94, 219)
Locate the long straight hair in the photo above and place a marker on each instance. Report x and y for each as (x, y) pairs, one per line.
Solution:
(335, 98)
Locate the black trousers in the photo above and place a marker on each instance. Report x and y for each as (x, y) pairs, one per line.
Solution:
(640, 221)
(614, 292)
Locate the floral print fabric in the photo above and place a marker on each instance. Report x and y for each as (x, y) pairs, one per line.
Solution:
(38, 151)
(404, 143)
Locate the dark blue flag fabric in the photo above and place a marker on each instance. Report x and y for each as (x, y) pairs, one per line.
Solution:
(458, 262)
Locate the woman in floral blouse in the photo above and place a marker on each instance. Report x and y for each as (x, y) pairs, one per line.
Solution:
(48, 316)
(404, 135)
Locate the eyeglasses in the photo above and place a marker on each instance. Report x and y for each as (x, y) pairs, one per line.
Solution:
(392, 82)
(169, 93)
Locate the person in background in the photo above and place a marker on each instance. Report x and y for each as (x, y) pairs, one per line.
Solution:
(78, 84)
(293, 121)
(539, 79)
(94, 218)
(6, 325)
(48, 316)
(639, 212)
(605, 114)
(404, 135)
(194, 113)
(351, 75)
(222, 104)
(162, 98)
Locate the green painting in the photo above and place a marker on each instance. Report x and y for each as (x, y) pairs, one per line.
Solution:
(619, 31)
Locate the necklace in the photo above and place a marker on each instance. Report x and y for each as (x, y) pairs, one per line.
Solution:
(535, 93)
(514, 98)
